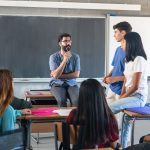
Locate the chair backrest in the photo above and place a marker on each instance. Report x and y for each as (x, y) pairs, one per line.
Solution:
(73, 135)
(12, 140)
(59, 134)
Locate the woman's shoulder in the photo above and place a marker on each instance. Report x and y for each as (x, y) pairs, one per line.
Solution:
(9, 111)
(139, 58)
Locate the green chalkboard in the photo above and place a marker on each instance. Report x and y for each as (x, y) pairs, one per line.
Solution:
(26, 42)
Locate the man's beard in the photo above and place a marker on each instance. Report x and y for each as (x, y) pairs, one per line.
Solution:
(67, 48)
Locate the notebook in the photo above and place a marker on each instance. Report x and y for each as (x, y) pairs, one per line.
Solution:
(141, 110)
(44, 111)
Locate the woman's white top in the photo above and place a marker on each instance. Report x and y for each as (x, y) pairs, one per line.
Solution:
(138, 65)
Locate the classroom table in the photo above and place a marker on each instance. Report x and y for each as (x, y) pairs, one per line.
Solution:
(26, 121)
(38, 94)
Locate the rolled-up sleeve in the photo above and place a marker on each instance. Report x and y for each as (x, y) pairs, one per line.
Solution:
(77, 64)
(53, 63)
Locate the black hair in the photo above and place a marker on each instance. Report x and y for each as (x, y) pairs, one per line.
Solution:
(123, 26)
(134, 46)
(63, 35)
(94, 114)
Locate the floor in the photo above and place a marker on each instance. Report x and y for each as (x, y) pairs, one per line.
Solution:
(46, 141)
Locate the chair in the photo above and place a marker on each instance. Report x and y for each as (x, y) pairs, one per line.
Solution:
(59, 136)
(13, 140)
(64, 140)
(133, 117)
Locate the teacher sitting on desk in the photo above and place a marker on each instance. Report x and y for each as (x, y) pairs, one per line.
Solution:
(65, 68)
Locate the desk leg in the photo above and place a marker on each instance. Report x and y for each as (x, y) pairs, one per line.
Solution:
(26, 124)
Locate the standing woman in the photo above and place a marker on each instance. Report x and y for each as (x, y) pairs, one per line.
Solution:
(7, 113)
(135, 89)
(100, 127)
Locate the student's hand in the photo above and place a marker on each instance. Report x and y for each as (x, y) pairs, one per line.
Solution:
(26, 111)
(105, 79)
(67, 56)
(121, 96)
(110, 80)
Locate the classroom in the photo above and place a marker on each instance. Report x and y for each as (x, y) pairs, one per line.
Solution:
(29, 33)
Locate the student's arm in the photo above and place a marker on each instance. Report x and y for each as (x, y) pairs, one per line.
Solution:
(123, 90)
(110, 80)
(135, 85)
(59, 70)
(109, 75)
(9, 119)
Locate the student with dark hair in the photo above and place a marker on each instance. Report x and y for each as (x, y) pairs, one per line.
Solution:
(7, 113)
(99, 124)
(116, 76)
(135, 89)
(65, 68)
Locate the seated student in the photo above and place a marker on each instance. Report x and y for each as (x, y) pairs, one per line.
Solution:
(99, 123)
(7, 113)
(135, 89)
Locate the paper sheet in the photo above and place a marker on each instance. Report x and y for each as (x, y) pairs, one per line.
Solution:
(62, 112)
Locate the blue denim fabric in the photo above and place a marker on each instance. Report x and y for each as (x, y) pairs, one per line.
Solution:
(135, 100)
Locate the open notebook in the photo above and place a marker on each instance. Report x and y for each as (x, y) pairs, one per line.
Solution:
(141, 110)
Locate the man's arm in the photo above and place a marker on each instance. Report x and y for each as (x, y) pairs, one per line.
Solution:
(76, 72)
(71, 75)
(58, 71)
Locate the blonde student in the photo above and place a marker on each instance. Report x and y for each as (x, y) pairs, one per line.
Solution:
(7, 113)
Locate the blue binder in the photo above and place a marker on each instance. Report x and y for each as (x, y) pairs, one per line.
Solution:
(141, 110)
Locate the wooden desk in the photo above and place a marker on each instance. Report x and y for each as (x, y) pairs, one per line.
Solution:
(38, 94)
(133, 116)
(26, 121)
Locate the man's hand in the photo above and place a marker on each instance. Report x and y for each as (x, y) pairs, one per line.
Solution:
(67, 56)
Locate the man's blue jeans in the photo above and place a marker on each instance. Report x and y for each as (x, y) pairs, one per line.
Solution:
(62, 93)
(136, 100)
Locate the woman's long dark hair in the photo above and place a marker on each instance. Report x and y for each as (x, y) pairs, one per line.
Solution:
(94, 114)
(134, 46)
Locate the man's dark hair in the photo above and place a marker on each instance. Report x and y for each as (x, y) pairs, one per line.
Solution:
(123, 26)
(63, 35)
